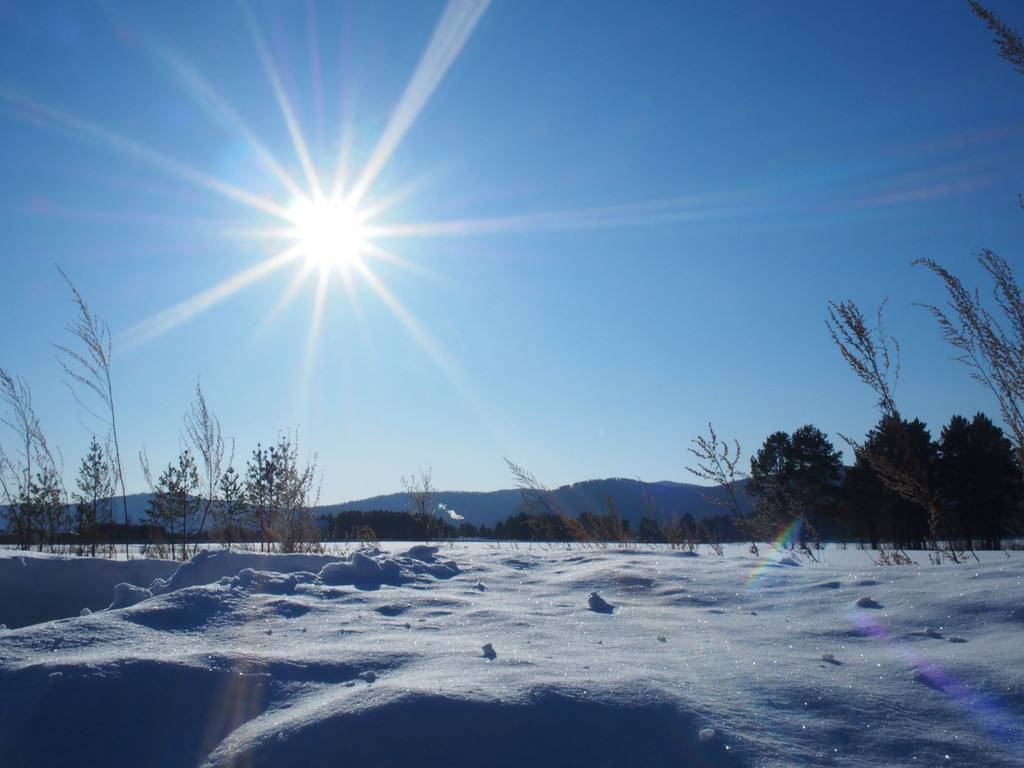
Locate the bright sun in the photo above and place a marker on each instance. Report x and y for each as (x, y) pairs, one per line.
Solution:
(329, 232)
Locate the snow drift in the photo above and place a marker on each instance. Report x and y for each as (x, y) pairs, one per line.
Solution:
(391, 657)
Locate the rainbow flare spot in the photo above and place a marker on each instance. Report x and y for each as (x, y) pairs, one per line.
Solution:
(772, 560)
(981, 707)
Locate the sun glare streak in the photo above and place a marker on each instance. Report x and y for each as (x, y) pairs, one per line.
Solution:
(298, 142)
(171, 317)
(33, 111)
(128, 217)
(288, 295)
(434, 351)
(313, 335)
(382, 254)
(312, 35)
(357, 309)
(204, 96)
(453, 29)
(380, 205)
(344, 151)
(643, 213)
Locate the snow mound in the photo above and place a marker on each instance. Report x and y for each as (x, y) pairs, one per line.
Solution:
(270, 582)
(128, 594)
(209, 566)
(35, 588)
(193, 600)
(281, 574)
(544, 727)
(373, 568)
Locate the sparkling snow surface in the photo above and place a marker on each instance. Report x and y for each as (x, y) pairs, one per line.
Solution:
(478, 654)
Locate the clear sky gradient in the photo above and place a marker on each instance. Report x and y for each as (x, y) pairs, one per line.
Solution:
(665, 195)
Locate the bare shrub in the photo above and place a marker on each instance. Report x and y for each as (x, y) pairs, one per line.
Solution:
(297, 492)
(893, 556)
(31, 479)
(90, 367)
(989, 343)
(874, 356)
(1006, 39)
(718, 462)
(202, 430)
(548, 521)
(419, 487)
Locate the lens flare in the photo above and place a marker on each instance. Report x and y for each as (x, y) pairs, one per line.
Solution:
(774, 558)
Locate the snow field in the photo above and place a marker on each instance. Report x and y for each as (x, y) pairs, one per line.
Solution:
(483, 654)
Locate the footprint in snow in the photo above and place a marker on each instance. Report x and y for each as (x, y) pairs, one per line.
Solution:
(868, 602)
(957, 639)
(598, 604)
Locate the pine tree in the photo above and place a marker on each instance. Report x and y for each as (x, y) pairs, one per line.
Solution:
(231, 507)
(795, 477)
(47, 494)
(260, 480)
(978, 478)
(175, 505)
(878, 510)
(771, 470)
(815, 467)
(22, 517)
(279, 492)
(295, 523)
(96, 488)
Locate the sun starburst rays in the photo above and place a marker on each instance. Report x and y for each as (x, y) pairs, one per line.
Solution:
(335, 235)
(329, 232)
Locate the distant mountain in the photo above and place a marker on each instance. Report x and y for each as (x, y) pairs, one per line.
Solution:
(137, 505)
(629, 497)
(490, 507)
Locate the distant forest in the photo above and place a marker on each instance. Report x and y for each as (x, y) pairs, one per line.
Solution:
(798, 475)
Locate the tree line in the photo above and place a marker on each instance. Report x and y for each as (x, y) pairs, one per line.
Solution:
(971, 465)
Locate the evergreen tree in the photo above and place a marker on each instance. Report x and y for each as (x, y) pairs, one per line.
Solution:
(294, 498)
(815, 467)
(175, 506)
(96, 488)
(22, 517)
(278, 492)
(260, 480)
(877, 511)
(978, 479)
(47, 494)
(771, 470)
(795, 477)
(230, 509)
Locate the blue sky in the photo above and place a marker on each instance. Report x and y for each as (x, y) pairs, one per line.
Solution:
(670, 194)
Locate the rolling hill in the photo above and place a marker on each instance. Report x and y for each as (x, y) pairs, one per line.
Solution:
(489, 507)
